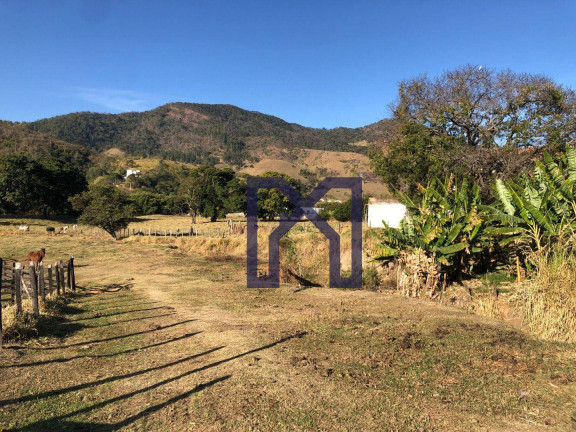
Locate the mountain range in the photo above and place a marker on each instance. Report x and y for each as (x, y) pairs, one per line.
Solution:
(201, 134)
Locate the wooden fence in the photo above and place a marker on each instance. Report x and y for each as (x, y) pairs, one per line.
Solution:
(231, 228)
(18, 283)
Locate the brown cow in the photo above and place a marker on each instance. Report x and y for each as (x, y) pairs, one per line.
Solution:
(36, 257)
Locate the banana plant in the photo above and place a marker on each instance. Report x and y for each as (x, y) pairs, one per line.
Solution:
(541, 207)
(446, 223)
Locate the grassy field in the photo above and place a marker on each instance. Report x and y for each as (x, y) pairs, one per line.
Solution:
(163, 338)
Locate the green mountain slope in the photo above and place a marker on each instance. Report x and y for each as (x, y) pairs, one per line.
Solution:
(20, 138)
(201, 133)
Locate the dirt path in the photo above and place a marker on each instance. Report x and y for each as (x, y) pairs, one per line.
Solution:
(188, 347)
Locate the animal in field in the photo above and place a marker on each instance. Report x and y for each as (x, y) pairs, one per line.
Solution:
(50, 230)
(36, 257)
(24, 228)
(74, 227)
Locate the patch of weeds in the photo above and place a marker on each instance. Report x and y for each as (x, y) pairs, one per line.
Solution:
(60, 305)
(495, 279)
(371, 279)
(55, 305)
(22, 326)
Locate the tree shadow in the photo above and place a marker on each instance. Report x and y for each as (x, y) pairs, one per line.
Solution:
(49, 348)
(57, 327)
(128, 320)
(58, 422)
(120, 313)
(67, 359)
(121, 305)
(59, 425)
(77, 387)
(106, 301)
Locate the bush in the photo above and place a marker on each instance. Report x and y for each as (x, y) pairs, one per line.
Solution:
(325, 214)
(343, 212)
(21, 327)
(371, 279)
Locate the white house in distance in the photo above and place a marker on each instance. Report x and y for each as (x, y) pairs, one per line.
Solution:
(309, 210)
(130, 171)
(391, 212)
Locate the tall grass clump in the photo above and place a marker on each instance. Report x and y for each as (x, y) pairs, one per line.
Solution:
(549, 296)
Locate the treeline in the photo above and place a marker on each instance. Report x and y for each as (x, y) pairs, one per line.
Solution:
(39, 185)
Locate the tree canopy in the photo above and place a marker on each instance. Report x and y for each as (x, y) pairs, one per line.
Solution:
(212, 192)
(271, 202)
(38, 186)
(486, 107)
(474, 122)
(103, 206)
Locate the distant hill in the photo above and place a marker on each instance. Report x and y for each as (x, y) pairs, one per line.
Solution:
(20, 138)
(203, 133)
(222, 135)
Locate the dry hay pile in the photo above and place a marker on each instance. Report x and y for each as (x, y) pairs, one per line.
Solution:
(418, 275)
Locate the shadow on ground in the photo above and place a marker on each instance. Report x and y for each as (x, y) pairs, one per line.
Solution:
(63, 326)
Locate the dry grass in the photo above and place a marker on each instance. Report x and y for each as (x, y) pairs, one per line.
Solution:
(188, 347)
(304, 249)
(338, 164)
(549, 298)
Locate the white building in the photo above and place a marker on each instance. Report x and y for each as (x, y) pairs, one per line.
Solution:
(134, 172)
(391, 212)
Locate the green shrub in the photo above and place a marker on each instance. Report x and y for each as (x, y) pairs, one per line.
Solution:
(371, 279)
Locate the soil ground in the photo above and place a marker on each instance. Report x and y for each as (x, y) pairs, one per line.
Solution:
(160, 339)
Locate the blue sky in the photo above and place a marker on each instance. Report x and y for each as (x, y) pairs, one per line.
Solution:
(318, 63)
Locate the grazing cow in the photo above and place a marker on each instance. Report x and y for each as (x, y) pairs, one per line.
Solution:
(24, 228)
(36, 257)
(50, 230)
(74, 227)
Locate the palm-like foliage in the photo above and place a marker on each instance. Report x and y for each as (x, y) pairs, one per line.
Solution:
(447, 224)
(540, 208)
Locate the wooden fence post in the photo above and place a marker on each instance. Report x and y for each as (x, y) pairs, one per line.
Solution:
(1, 264)
(62, 282)
(68, 278)
(41, 286)
(34, 289)
(12, 291)
(69, 272)
(57, 271)
(72, 273)
(16, 280)
(50, 281)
